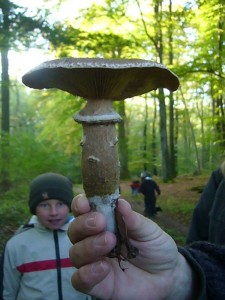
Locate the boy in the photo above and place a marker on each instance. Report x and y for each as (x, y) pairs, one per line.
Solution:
(36, 262)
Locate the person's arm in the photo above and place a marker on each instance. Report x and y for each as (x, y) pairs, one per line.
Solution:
(157, 189)
(212, 260)
(1, 275)
(199, 227)
(141, 189)
(10, 277)
(158, 272)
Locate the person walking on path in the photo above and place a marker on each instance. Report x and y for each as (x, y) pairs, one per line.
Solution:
(149, 188)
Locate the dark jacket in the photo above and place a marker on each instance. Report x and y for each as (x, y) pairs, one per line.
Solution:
(148, 188)
(208, 262)
(208, 219)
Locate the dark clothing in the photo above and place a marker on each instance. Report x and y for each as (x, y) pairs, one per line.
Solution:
(208, 219)
(208, 261)
(149, 188)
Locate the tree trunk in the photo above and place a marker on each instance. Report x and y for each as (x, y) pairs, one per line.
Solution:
(172, 158)
(171, 138)
(123, 150)
(5, 125)
(200, 112)
(154, 142)
(145, 134)
(5, 92)
(163, 137)
(198, 165)
(157, 40)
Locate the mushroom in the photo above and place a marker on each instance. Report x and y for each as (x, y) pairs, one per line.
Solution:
(100, 82)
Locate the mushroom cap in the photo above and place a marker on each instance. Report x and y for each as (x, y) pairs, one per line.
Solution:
(99, 78)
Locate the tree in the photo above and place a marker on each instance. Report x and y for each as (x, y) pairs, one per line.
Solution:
(172, 147)
(5, 6)
(17, 29)
(145, 136)
(205, 67)
(5, 93)
(157, 40)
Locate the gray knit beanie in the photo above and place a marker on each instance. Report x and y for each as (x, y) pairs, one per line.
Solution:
(50, 186)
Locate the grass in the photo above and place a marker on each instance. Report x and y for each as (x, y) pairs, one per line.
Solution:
(178, 238)
(180, 209)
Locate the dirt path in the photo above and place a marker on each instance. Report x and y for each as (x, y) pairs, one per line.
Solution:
(181, 189)
(162, 219)
(166, 221)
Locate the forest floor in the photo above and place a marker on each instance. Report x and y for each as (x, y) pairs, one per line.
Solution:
(177, 201)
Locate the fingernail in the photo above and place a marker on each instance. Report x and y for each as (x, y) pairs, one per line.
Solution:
(98, 267)
(75, 208)
(91, 222)
(77, 202)
(101, 240)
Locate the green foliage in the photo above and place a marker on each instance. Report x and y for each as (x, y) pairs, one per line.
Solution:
(20, 26)
(13, 211)
(14, 206)
(29, 158)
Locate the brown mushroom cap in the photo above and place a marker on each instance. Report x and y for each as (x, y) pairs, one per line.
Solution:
(98, 78)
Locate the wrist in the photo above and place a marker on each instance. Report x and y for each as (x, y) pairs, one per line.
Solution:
(184, 283)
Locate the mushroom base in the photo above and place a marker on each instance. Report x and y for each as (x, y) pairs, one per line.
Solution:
(106, 205)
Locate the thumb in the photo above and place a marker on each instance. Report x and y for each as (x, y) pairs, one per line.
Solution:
(138, 227)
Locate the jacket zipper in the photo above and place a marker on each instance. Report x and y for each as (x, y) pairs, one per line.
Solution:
(58, 264)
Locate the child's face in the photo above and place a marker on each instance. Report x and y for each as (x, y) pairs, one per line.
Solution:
(52, 214)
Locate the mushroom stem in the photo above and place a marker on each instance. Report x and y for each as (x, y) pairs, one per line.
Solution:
(100, 163)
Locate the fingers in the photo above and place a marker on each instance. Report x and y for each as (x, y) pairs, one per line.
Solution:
(86, 278)
(89, 223)
(92, 248)
(80, 205)
(139, 228)
(87, 232)
(85, 225)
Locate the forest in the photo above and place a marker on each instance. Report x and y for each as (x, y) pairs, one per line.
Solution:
(169, 134)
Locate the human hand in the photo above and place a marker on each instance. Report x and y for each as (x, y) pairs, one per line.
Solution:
(158, 272)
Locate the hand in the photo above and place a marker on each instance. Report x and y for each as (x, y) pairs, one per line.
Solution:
(158, 272)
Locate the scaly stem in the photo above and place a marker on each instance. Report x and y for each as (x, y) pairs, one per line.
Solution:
(100, 166)
(100, 163)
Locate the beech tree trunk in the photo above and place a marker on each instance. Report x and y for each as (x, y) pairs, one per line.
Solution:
(5, 124)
